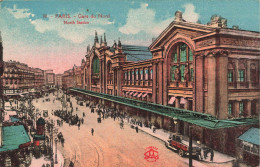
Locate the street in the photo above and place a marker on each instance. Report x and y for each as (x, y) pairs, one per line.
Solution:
(110, 145)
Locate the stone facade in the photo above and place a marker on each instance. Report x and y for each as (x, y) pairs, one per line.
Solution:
(205, 68)
(209, 69)
(19, 77)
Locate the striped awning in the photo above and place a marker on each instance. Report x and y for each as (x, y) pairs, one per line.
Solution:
(136, 93)
(130, 94)
(144, 95)
(126, 93)
(183, 101)
(140, 94)
(171, 101)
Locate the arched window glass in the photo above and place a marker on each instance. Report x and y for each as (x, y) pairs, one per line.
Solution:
(172, 73)
(183, 52)
(174, 56)
(96, 65)
(182, 72)
(191, 74)
(190, 55)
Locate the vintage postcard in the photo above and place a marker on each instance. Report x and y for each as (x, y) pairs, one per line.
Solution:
(172, 83)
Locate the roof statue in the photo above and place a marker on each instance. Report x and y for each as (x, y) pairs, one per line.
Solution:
(178, 16)
(115, 45)
(119, 43)
(218, 21)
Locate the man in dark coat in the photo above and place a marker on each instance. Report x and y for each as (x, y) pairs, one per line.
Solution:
(92, 131)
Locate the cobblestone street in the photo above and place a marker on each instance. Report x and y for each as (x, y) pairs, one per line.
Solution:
(110, 145)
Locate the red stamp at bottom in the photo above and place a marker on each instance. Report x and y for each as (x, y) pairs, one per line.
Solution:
(151, 154)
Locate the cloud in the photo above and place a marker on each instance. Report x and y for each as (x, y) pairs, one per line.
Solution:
(19, 13)
(143, 20)
(190, 14)
(77, 33)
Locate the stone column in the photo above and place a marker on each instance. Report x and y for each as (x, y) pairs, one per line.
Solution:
(222, 87)
(114, 75)
(237, 73)
(236, 109)
(119, 78)
(154, 95)
(104, 75)
(248, 78)
(177, 102)
(248, 108)
(160, 82)
(198, 101)
(211, 84)
(165, 83)
(186, 105)
(100, 75)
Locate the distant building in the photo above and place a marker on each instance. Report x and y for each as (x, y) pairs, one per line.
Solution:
(49, 78)
(67, 79)
(58, 80)
(19, 78)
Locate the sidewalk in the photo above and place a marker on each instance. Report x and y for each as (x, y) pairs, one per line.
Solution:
(44, 160)
(164, 136)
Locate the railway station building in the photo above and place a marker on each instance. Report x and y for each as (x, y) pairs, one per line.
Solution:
(205, 76)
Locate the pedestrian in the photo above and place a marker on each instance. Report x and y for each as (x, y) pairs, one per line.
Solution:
(200, 156)
(205, 152)
(82, 120)
(136, 129)
(211, 155)
(92, 131)
(79, 125)
(62, 141)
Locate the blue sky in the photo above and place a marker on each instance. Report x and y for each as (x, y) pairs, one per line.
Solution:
(48, 43)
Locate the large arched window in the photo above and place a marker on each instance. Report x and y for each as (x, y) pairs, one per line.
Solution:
(181, 69)
(95, 65)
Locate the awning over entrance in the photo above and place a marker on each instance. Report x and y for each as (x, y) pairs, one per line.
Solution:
(144, 95)
(140, 94)
(183, 101)
(130, 94)
(135, 94)
(171, 101)
(13, 137)
(251, 136)
(192, 117)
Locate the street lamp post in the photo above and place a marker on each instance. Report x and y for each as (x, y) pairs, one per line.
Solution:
(51, 135)
(56, 161)
(190, 146)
